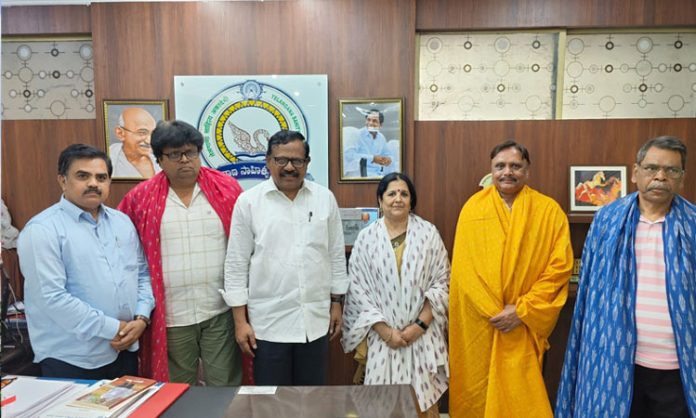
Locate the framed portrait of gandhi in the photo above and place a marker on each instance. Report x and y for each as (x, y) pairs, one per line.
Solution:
(128, 125)
(371, 138)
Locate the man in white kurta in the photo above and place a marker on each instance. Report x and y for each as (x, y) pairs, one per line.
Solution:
(285, 270)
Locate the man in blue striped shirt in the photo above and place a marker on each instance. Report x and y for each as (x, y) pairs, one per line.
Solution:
(87, 286)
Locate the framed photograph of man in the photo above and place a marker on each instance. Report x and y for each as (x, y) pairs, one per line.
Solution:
(371, 138)
(128, 125)
(592, 187)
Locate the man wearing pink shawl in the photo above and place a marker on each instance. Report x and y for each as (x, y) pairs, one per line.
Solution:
(183, 217)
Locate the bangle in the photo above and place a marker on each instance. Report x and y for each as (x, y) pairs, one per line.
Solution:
(337, 298)
(421, 324)
(391, 334)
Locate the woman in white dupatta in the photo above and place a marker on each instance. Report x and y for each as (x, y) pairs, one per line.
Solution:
(398, 297)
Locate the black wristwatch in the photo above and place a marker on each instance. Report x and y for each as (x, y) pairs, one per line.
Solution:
(145, 319)
(421, 324)
(338, 298)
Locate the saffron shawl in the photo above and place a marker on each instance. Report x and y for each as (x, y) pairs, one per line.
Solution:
(597, 377)
(376, 294)
(145, 205)
(501, 257)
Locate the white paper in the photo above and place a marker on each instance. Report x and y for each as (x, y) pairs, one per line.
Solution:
(32, 395)
(257, 390)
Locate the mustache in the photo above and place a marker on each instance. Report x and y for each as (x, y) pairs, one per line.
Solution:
(658, 186)
(92, 190)
(289, 174)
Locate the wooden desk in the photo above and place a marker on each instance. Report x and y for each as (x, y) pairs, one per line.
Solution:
(387, 401)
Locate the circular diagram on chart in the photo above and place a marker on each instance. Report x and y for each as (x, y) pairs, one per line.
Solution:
(644, 45)
(607, 104)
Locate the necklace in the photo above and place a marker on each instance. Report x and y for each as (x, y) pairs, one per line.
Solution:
(398, 240)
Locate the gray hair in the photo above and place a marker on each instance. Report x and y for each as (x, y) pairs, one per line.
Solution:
(666, 142)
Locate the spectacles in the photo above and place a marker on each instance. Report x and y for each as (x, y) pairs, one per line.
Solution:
(143, 133)
(176, 155)
(671, 172)
(296, 162)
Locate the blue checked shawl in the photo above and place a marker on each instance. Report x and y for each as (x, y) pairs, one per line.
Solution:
(597, 378)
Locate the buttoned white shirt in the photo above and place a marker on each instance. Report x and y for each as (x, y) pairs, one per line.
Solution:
(193, 253)
(284, 259)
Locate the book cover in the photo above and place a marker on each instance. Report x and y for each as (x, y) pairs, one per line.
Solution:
(160, 401)
(111, 395)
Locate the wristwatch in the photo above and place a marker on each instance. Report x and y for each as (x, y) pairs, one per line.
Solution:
(338, 298)
(145, 319)
(421, 324)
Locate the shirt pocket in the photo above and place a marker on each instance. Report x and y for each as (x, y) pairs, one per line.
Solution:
(317, 237)
(212, 226)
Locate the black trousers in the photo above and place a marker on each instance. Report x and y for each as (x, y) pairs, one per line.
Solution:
(125, 364)
(291, 364)
(658, 394)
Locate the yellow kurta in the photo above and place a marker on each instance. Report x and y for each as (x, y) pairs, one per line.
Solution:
(502, 257)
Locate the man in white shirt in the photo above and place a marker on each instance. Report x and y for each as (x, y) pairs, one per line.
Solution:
(286, 268)
(370, 149)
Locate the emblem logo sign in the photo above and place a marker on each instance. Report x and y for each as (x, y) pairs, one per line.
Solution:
(237, 123)
(237, 114)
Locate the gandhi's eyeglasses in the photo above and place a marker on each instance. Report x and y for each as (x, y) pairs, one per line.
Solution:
(671, 172)
(143, 133)
(296, 162)
(177, 155)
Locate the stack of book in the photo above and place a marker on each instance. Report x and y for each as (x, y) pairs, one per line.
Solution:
(107, 399)
(127, 396)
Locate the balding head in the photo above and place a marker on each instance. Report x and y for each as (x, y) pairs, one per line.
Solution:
(135, 125)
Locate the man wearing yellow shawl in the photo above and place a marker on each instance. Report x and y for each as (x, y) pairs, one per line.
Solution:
(511, 265)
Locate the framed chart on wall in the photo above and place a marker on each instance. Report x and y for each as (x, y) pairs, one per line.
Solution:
(371, 138)
(592, 187)
(128, 125)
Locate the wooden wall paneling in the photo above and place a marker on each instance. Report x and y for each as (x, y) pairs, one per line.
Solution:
(553, 360)
(365, 54)
(453, 156)
(45, 20)
(462, 15)
(139, 47)
(30, 150)
(457, 152)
